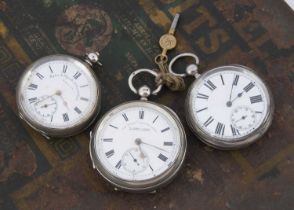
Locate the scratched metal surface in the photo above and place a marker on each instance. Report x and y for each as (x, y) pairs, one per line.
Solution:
(40, 174)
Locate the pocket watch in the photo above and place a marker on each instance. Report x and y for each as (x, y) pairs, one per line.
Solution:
(59, 95)
(139, 145)
(227, 107)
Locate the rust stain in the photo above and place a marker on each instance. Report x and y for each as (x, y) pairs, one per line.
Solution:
(195, 175)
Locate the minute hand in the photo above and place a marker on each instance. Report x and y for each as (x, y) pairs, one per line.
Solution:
(151, 145)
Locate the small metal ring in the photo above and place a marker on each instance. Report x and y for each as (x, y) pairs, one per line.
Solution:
(182, 55)
(131, 77)
(159, 58)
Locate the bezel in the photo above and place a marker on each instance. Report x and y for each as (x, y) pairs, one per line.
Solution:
(146, 185)
(50, 131)
(222, 143)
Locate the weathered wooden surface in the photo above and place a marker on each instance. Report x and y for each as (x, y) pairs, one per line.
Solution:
(40, 174)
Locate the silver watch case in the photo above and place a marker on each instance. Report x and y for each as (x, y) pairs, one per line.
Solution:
(220, 143)
(56, 132)
(149, 185)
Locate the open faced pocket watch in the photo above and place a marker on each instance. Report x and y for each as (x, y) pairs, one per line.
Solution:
(140, 145)
(227, 107)
(59, 95)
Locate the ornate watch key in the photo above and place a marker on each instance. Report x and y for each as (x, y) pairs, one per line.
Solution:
(59, 95)
(140, 145)
(227, 107)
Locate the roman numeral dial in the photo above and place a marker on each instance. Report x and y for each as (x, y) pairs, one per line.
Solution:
(137, 142)
(227, 104)
(59, 93)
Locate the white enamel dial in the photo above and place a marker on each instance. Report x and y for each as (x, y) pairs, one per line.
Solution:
(228, 104)
(138, 141)
(58, 93)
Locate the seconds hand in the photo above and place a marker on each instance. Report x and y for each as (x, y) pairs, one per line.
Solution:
(135, 160)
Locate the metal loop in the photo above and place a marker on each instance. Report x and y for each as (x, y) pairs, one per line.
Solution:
(189, 71)
(131, 77)
(161, 58)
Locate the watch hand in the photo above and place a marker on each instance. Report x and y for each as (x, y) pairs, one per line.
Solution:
(151, 145)
(142, 153)
(238, 96)
(46, 105)
(139, 141)
(135, 160)
(229, 102)
(58, 93)
(231, 92)
(242, 118)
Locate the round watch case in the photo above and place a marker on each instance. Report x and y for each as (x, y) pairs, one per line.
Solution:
(220, 143)
(146, 185)
(58, 132)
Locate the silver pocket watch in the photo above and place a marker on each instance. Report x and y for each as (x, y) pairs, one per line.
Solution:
(138, 146)
(59, 95)
(227, 107)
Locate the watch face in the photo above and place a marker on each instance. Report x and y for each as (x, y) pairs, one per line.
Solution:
(229, 103)
(58, 92)
(138, 141)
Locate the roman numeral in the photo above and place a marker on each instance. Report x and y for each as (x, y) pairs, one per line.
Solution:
(50, 69)
(83, 86)
(77, 110)
(155, 119)
(208, 121)
(202, 96)
(65, 117)
(200, 110)
(113, 126)
(168, 143)
(210, 85)
(141, 114)
(235, 82)
(77, 75)
(221, 76)
(40, 76)
(118, 165)
(64, 69)
(32, 87)
(33, 100)
(234, 131)
(255, 99)
(162, 157)
(107, 140)
(248, 87)
(109, 153)
(220, 129)
(166, 129)
(125, 117)
(84, 99)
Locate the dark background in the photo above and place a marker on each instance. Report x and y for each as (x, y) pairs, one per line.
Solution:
(57, 174)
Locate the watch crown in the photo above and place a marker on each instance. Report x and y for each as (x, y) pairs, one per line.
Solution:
(93, 58)
(144, 92)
